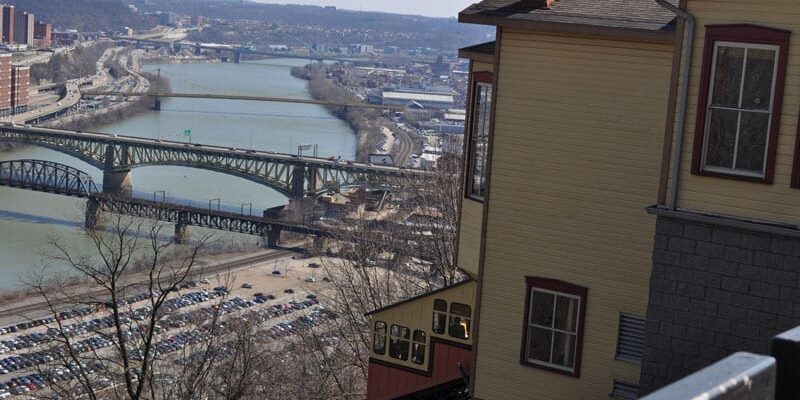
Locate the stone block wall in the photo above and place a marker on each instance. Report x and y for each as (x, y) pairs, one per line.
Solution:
(714, 291)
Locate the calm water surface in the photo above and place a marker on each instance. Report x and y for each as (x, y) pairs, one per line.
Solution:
(30, 220)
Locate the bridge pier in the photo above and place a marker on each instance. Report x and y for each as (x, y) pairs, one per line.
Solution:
(272, 237)
(94, 214)
(181, 233)
(320, 244)
(157, 104)
(297, 190)
(117, 182)
(237, 57)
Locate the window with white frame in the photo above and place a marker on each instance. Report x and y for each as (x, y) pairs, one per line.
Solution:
(740, 105)
(553, 326)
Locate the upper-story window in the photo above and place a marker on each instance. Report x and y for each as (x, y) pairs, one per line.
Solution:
(554, 325)
(479, 136)
(740, 101)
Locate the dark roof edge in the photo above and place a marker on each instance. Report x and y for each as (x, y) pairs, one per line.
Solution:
(479, 52)
(629, 34)
(419, 296)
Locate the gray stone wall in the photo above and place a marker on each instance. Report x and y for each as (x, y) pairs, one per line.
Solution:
(714, 291)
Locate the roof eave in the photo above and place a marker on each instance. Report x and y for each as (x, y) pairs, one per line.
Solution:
(476, 56)
(629, 34)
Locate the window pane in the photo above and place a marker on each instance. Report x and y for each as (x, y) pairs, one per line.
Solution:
(399, 343)
(418, 353)
(728, 76)
(460, 309)
(440, 305)
(721, 137)
(419, 336)
(542, 308)
(379, 340)
(564, 349)
(566, 314)
(752, 141)
(439, 322)
(758, 82)
(459, 327)
(539, 341)
(479, 142)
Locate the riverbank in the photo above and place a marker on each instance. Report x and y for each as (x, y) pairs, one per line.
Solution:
(366, 123)
(116, 112)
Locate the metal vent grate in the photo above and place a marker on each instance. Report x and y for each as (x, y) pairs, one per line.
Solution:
(623, 390)
(630, 344)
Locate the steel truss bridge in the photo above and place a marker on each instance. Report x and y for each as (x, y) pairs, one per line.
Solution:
(51, 177)
(292, 175)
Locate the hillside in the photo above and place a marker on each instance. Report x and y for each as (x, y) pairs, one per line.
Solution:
(326, 26)
(84, 15)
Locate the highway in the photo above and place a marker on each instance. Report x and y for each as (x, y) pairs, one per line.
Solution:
(216, 150)
(72, 97)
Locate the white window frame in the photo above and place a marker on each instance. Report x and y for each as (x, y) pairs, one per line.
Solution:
(706, 129)
(576, 334)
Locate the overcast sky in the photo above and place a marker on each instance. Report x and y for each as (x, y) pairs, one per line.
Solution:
(430, 8)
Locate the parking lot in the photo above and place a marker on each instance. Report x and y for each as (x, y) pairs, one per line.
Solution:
(277, 296)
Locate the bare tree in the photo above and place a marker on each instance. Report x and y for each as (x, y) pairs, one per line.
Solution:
(114, 355)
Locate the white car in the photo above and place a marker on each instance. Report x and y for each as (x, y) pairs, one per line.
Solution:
(4, 394)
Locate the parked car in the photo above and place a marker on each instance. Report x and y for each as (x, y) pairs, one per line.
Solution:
(247, 286)
(290, 291)
(276, 272)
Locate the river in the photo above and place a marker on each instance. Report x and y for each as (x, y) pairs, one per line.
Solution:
(29, 221)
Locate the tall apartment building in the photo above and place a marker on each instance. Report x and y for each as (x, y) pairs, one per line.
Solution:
(24, 24)
(20, 86)
(43, 34)
(5, 84)
(7, 23)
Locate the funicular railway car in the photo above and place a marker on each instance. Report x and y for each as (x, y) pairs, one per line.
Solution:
(422, 347)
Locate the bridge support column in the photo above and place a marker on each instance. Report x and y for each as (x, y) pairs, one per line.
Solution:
(320, 244)
(117, 182)
(94, 213)
(237, 57)
(313, 184)
(297, 190)
(157, 104)
(181, 233)
(116, 177)
(272, 237)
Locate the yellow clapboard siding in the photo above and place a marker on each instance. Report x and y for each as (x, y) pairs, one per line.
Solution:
(576, 159)
(777, 202)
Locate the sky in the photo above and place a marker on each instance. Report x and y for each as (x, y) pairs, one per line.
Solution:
(429, 8)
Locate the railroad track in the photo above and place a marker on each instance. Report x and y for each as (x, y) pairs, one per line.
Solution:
(200, 270)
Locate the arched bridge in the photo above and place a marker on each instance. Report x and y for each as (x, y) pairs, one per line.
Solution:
(46, 176)
(52, 177)
(291, 175)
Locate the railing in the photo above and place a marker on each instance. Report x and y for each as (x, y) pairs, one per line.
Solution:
(744, 375)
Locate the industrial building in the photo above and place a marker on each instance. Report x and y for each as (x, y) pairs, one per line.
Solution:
(418, 100)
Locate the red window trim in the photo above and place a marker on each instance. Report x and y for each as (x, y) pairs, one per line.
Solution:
(477, 77)
(743, 33)
(561, 287)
